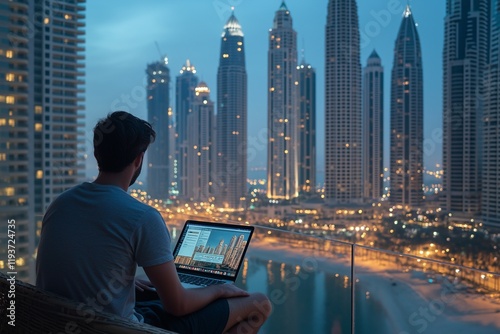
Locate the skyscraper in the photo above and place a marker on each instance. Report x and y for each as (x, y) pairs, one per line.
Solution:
(41, 128)
(464, 62)
(343, 174)
(406, 158)
(307, 127)
(201, 153)
(159, 115)
(184, 98)
(491, 155)
(17, 129)
(231, 176)
(282, 155)
(373, 128)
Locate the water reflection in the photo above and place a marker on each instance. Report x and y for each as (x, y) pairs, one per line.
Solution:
(306, 299)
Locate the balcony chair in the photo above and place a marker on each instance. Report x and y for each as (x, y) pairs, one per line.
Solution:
(38, 311)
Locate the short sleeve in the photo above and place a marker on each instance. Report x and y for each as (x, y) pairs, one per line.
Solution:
(151, 241)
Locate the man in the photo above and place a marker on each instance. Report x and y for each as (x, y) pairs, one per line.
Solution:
(95, 234)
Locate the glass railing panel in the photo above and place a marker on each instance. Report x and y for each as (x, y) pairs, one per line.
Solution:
(307, 279)
(419, 295)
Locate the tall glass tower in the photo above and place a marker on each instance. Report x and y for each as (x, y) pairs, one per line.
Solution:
(230, 181)
(282, 123)
(373, 128)
(465, 58)
(491, 156)
(41, 119)
(201, 154)
(406, 158)
(185, 86)
(343, 174)
(307, 127)
(159, 115)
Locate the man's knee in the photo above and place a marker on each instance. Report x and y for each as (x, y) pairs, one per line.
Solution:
(262, 304)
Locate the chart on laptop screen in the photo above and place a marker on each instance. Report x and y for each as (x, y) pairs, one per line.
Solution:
(211, 249)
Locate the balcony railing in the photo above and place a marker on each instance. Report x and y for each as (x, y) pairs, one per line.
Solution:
(320, 285)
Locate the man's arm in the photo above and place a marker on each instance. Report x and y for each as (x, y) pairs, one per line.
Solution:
(179, 301)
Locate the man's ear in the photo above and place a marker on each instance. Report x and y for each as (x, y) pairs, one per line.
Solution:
(138, 160)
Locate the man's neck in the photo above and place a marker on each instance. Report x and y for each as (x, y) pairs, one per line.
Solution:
(113, 179)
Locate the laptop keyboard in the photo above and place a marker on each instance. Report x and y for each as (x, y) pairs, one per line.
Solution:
(201, 281)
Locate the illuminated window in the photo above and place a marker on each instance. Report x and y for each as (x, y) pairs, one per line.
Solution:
(8, 191)
(38, 110)
(39, 174)
(3, 156)
(10, 100)
(10, 77)
(3, 121)
(46, 20)
(67, 17)
(38, 127)
(225, 55)
(12, 122)
(9, 54)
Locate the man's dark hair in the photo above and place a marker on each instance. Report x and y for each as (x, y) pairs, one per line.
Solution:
(119, 139)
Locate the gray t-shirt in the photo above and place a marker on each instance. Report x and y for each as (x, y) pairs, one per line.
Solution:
(93, 237)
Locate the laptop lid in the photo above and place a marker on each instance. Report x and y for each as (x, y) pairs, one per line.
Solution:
(212, 250)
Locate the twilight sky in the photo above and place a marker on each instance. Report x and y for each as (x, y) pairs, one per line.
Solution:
(121, 35)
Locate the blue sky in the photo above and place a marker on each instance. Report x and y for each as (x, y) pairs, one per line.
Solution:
(121, 36)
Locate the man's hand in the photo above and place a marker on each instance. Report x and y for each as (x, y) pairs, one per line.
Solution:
(231, 290)
(143, 285)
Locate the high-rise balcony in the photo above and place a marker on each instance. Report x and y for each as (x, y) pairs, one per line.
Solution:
(320, 285)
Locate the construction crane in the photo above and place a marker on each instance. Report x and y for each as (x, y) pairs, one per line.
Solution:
(164, 58)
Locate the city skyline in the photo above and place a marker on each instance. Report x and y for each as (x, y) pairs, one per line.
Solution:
(379, 21)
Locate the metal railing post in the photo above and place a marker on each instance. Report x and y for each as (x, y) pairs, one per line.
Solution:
(353, 290)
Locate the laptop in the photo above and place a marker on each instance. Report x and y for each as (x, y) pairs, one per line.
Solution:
(210, 253)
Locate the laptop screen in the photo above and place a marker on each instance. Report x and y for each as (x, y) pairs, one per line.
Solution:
(214, 249)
